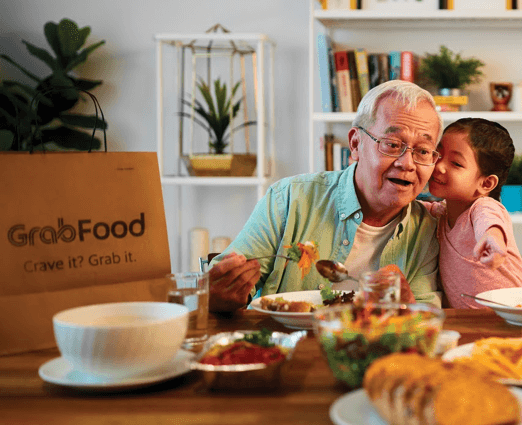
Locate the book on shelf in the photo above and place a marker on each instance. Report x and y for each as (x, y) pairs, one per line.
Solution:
(328, 151)
(395, 64)
(341, 4)
(378, 68)
(342, 69)
(511, 4)
(409, 66)
(334, 89)
(323, 57)
(450, 103)
(361, 61)
(354, 80)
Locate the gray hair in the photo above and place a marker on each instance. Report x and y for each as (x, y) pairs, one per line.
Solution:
(407, 94)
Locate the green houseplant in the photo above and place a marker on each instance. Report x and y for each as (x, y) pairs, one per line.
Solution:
(214, 114)
(39, 115)
(447, 70)
(511, 194)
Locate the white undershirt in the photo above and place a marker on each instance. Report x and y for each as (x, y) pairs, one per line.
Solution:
(365, 255)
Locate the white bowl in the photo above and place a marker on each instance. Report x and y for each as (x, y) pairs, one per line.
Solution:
(120, 339)
(509, 296)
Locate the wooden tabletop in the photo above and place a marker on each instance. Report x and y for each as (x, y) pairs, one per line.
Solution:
(306, 394)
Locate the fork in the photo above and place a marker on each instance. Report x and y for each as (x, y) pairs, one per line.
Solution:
(269, 256)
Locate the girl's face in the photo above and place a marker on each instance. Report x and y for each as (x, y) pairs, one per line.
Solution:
(457, 176)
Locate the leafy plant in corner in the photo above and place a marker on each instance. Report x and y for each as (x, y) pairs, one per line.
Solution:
(449, 70)
(38, 115)
(215, 118)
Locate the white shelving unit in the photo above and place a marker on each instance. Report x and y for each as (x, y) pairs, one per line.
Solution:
(168, 138)
(368, 20)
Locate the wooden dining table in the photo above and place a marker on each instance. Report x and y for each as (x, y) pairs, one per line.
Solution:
(305, 395)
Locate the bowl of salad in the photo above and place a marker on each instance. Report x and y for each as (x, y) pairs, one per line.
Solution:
(353, 336)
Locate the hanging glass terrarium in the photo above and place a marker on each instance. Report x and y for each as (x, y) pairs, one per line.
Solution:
(215, 105)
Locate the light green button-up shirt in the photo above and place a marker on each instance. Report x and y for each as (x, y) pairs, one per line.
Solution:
(324, 208)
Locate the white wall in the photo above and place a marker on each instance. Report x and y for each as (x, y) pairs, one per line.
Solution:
(126, 64)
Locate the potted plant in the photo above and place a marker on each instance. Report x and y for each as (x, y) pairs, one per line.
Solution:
(511, 194)
(447, 70)
(215, 116)
(39, 115)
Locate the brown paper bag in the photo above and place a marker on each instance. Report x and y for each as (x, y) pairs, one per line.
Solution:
(76, 228)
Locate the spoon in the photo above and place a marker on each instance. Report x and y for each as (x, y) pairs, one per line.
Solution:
(483, 299)
(332, 270)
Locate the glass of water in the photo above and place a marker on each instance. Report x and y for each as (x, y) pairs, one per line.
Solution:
(380, 286)
(191, 290)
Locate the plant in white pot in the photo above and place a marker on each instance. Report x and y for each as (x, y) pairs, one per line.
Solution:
(449, 71)
(215, 115)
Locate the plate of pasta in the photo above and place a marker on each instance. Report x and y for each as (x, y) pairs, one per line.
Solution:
(500, 358)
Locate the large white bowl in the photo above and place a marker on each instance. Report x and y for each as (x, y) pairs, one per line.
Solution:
(120, 339)
(509, 296)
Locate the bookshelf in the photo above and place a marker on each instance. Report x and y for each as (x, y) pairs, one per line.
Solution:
(361, 23)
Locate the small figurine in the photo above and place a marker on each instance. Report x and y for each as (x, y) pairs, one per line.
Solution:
(500, 95)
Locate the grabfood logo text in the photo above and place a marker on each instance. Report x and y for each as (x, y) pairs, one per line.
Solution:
(19, 236)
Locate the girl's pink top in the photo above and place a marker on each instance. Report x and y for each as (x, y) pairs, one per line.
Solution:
(460, 272)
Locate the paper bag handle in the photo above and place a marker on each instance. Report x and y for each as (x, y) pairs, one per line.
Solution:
(96, 106)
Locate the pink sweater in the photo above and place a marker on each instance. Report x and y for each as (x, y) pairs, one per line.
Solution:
(459, 271)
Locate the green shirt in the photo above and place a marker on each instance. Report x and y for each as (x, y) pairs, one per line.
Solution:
(323, 207)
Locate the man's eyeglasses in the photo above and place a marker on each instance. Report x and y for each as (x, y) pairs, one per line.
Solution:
(396, 148)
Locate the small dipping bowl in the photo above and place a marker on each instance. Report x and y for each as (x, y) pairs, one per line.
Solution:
(252, 376)
(120, 339)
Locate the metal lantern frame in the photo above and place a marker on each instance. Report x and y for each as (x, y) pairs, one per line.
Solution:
(191, 48)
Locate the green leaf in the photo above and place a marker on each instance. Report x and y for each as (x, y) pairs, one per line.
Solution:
(51, 35)
(21, 68)
(70, 138)
(43, 55)
(84, 121)
(6, 140)
(71, 37)
(82, 56)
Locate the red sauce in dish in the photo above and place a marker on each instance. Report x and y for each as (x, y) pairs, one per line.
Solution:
(242, 352)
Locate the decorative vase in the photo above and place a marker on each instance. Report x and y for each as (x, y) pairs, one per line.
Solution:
(500, 95)
(221, 165)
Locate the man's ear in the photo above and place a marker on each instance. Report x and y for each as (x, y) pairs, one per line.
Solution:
(488, 184)
(354, 139)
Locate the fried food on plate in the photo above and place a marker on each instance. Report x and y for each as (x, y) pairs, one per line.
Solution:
(408, 388)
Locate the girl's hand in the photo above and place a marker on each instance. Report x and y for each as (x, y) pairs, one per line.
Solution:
(491, 249)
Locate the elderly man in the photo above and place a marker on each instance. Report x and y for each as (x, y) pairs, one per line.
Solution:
(365, 216)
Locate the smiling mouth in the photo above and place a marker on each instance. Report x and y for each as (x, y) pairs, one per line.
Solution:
(401, 182)
(437, 181)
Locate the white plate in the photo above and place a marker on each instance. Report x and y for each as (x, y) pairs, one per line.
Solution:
(356, 409)
(465, 351)
(59, 371)
(509, 296)
(292, 320)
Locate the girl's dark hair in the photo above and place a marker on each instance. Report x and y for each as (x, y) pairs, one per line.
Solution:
(492, 145)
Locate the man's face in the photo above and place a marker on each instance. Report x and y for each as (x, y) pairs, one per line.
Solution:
(386, 184)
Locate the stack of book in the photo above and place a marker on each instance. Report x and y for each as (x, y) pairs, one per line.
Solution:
(336, 154)
(347, 74)
(450, 103)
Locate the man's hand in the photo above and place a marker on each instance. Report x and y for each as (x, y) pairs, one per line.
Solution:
(230, 282)
(491, 249)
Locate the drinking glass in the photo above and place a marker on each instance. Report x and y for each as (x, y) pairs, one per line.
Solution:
(191, 290)
(379, 286)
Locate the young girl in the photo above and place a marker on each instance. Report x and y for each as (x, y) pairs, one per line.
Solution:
(477, 246)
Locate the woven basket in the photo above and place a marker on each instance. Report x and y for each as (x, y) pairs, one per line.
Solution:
(222, 165)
